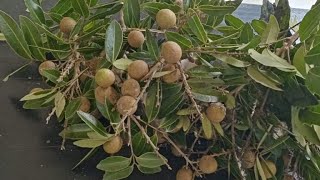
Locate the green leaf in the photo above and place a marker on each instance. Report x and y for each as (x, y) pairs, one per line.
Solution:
(92, 3)
(216, 10)
(153, 100)
(299, 61)
(170, 104)
(62, 7)
(152, 8)
(146, 170)
(108, 10)
(93, 123)
(309, 23)
(37, 95)
(14, 36)
(122, 174)
(260, 169)
(107, 110)
(256, 75)
(233, 21)
(187, 111)
(246, 33)
(313, 79)
(90, 33)
(197, 29)
(113, 41)
(150, 160)
(259, 26)
(2, 38)
(36, 11)
(131, 11)
(81, 7)
(275, 144)
(204, 98)
(59, 103)
(72, 108)
(138, 143)
(76, 131)
(168, 121)
(231, 60)
(206, 126)
(122, 63)
(114, 163)
(52, 75)
(313, 56)
(89, 143)
(43, 29)
(152, 46)
(87, 156)
(184, 42)
(218, 128)
(77, 29)
(271, 32)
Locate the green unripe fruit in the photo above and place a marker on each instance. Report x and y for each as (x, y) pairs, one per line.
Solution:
(166, 19)
(105, 77)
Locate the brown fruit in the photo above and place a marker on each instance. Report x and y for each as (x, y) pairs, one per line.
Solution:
(135, 39)
(104, 77)
(208, 164)
(126, 105)
(184, 174)
(36, 90)
(46, 65)
(85, 104)
(67, 24)
(138, 69)
(130, 87)
(174, 76)
(166, 19)
(248, 159)
(269, 169)
(101, 94)
(114, 145)
(171, 52)
(216, 112)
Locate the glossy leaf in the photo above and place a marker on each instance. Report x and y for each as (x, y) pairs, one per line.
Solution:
(150, 160)
(122, 63)
(312, 78)
(153, 101)
(72, 108)
(313, 56)
(184, 42)
(114, 163)
(93, 123)
(256, 75)
(231, 60)
(138, 143)
(309, 23)
(216, 10)
(113, 41)
(81, 7)
(131, 13)
(122, 174)
(270, 34)
(246, 33)
(152, 46)
(36, 11)
(59, 103)
(102, 13)
(89, 143)
(197, 28)
(259, 26)
(233, 21)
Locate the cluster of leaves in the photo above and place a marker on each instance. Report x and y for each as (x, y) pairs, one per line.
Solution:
(269, 84)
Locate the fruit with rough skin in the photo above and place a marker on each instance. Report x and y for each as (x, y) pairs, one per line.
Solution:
(248, 159)
(34, 90)
(126, 105)
(104, 77)
(171, 52)
(216, 112)
(46, 65)
(130, 87)
(101, 94)
(138, 69)
(184, 174)
(208, 164)
(84, 104)
(135, 39)
(67, 24)
(174, 76)
(269, 169)
(113, 145)
(166, 19)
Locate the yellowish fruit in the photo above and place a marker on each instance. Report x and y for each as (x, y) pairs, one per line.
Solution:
(208, 164)
(248, 159)
(67, 24)
(101, 94)
(174, 76)
(84, 104)
(166, 19)
(135, 39)
(269, 169)
(126, 105)
(216, 112)
(171, 52)
(46, 65)
(114, 145)
(184, 174)
(138, 69)
(36, 90)
(130, 87)
(104, 77)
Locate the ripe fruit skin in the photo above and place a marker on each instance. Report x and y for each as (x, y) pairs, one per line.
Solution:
(138, 69)
(106, 93)
(113, 146)
(36, 90)
(130, 87)
(184, 174)
(85, 104)
(125, 103)
(216, 112)
(174, 76)
(135, 39)
(248, 159)
(208, 164)
(166, 19)
(171, 52)
(46, 65)
(104, 77)
(269, 169)
(67, 24)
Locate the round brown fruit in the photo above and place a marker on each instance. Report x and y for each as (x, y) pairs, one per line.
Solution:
(130, 87)
(248, 159)
(101, 94)
(46, 65)
(166, 19)
(105, 77)
(135, 39)
(269, 169)
(84, 104)
(208, 164)
(184, 174)
(34, 90)
(171, 52)
(114, 145)
(126, 105)
(138, 69)
(67, 24)
(216, 112)
(174, 76)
